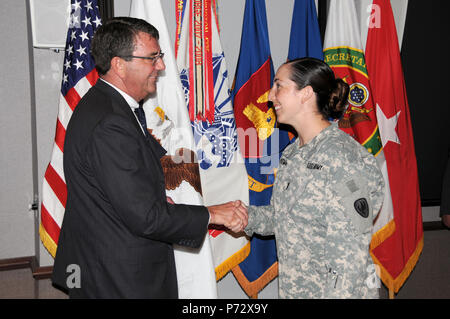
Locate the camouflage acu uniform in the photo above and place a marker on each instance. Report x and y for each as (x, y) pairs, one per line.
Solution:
(324, 200)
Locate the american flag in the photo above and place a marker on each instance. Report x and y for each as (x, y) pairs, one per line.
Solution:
(79, 74)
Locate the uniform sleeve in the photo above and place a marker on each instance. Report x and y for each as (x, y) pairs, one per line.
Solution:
(356, 195)
(347, 247)
(260, 220)
(375, 183)
(134, 186)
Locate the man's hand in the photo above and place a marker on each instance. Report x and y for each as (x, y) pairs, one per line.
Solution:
(232, 215)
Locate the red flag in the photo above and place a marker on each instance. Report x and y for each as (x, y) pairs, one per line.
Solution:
(398, 254)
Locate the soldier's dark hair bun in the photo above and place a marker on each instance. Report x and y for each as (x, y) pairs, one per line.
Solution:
(331, 93)
(338, 100)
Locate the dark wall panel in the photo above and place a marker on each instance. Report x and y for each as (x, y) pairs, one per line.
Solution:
(425, 59)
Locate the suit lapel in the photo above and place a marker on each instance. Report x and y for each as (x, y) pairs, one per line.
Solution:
(120, 106)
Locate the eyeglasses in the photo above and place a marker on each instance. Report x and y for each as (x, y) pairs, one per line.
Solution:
(154, 59)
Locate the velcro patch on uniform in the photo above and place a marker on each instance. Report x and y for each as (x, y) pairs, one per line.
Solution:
(311, 165)
(351, 185)
(362, 207)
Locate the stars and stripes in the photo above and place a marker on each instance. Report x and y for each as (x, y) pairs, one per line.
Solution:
(79, 74)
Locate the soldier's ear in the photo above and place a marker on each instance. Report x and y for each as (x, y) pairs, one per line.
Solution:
(306, 93)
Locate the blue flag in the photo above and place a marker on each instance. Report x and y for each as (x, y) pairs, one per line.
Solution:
(305, 38)
(254, 76)
(260, 140)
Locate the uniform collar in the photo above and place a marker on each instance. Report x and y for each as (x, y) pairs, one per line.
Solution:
(313, 144)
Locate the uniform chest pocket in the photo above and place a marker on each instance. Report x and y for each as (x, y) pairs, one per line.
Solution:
(291, 181)
(313, 181)
(354, 198)
(299, 175)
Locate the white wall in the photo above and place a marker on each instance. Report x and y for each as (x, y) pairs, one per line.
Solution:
(16, 171)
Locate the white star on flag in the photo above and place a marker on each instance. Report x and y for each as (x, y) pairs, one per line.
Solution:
(88, 6)
(387, 127)
(79, 64)
(86, 21)
(81, 50)
(67, 64)
(76, 5)
(74, 20)
(97, 22)
(84, 36)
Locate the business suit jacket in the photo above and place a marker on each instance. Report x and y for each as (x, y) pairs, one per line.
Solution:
(118, 227)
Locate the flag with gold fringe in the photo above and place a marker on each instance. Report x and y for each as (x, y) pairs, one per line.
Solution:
(204, 78)
(343, 52)
(397, 254)
(79, 74)
(260, 139)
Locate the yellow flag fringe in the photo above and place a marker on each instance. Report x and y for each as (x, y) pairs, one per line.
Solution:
(47, 241)
(382, 234)
(394, 284)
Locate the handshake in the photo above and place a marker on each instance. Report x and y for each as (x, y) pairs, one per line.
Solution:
(232, 215)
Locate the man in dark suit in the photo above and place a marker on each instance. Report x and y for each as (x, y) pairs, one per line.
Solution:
(118, 229)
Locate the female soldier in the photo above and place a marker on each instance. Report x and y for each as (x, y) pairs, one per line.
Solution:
(327, 191)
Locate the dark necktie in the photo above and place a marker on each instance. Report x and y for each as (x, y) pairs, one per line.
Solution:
(139, 111)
